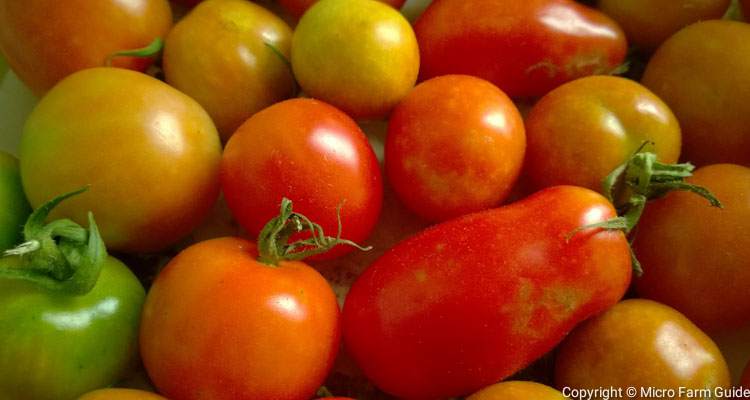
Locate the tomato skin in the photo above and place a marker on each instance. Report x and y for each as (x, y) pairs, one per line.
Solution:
(55, 346)
(120, 394)
(298, 7)
(655, 344)
(15, 208)
(526, 48)
(470, 301)
(220, 51)
(47, 40)
(150, 153)
(647, 24)
(218, 323)
(455, 145)
(707, 266)
(517, 390)
(696, 73)
(311, 153)
(579, 132)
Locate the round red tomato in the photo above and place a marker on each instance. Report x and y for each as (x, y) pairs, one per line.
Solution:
(47, 40)
(298, 7)
(455, 145)
(311, 153)
(218, 324)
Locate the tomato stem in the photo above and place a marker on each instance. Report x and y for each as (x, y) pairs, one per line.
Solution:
(149, 50)
(61, 255)
(288, 64)
(273, 240)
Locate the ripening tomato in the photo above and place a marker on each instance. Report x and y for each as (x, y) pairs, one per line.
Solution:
(455, 145)
(298, 7)
(648, 23)
(526, 48)
(311, 153)
(120, 394)
(150, 154)
(470, 301)
(47, 40)
(698, 73)
(581, 131)
(705, 273)
(219, 324)
(640, 343)
(224, 55)
(359, 55)
(517, 390)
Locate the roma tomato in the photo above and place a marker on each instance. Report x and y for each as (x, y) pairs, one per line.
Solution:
(697, 73)
(470, 301)
(47, 40)
(517, 390)
(15, 209)
(705, 274)
(455, 145)
(581, 131)
(298, 7)
(648, 23)
(226, 49)
(120, 394)
(642, 344)
(526, 48)
(359, 55)
(220, 324)
(311, 153)
(150, 153)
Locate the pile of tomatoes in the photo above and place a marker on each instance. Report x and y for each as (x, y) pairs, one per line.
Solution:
(490, 199)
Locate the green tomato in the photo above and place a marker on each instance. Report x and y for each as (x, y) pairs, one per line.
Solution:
(15, 209)
(3, 67)
(56, 346)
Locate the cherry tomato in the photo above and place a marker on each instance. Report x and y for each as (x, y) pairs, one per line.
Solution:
(120, 394)
(311, 153)
(641, 344)
(473, 300)
(648, 23)
(359, 55)
(526, 48)
(219, 324)
(226, 49)
(517, 390)
(705, 272)
(455, 145)
(581, 131)
(697, 72)
(298, 7)
(150, 154)
(15, 208)
(47, 40)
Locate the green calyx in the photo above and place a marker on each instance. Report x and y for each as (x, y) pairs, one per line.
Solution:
(273, 240)
(150, 50)
(61, 255)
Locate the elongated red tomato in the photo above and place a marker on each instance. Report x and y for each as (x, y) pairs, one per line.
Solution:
(526, 48)
(470, 301)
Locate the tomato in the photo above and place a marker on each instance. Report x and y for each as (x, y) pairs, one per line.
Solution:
(517, 390)
(647, 23)
(707, 267)
(226, 49)
(745, 378)
(526, 48)
(15, 209)
(3, 66)
(120, 394)
(47, 40)
(473, 300)
(745, 4)
(696, 72)
(655, 344)
(150, 153)
(455, 145)
(359, 55)
(311, 153)
(298, 7)
(220, 324)
(581, 131)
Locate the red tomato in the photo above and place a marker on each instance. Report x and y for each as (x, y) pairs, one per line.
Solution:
(471, 301)
(311, 153)
(526, 48)
(220, 325)
(47, 40)
(298, 7)
(455, 145)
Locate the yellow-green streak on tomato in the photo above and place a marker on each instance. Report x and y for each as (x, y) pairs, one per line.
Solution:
(14, 209)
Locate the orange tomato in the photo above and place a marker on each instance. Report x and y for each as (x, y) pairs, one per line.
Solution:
(120, 394)
(298, 7)
(517, 390)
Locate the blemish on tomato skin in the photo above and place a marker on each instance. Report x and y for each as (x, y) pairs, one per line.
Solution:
(420, 275)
